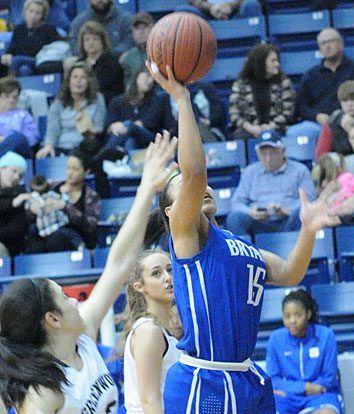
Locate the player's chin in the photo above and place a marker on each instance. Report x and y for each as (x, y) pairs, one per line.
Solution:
(209, 206)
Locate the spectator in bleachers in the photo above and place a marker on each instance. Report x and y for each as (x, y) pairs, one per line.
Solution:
(79, 109)
(332, 167)
(29, 38)
(223, 10)
(56, 16)
(263, 97)
(302, 360)
(267, 197)
(13, 225)
(18, 131)
(135, 57)
(132, 117)
(115, 20)
(317, 96)
(337, 133)
(95, 48)
(83, 211)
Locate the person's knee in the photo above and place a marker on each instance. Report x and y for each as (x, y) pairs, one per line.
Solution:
(4, 251)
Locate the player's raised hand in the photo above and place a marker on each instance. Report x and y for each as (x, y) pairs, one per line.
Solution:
(318, 214)
(170, 84)
(157, 166)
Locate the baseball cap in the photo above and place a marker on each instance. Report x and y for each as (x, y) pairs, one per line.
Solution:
(270, 138)
(142, 17)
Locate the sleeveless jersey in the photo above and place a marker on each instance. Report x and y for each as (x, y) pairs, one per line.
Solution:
(219, 295)
(92, 389)
(131, 393)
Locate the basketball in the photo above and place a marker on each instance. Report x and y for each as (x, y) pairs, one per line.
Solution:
(186, 43)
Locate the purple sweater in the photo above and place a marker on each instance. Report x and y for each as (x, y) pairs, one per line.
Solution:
(19, 120)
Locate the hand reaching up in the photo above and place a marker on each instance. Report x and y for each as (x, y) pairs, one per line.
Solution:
(170, 85)
(157, 169)
(318, 214)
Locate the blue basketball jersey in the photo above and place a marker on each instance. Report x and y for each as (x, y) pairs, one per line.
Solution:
(219, 294)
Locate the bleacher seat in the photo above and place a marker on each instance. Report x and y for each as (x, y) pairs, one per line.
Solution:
(287, 6)
(120, 207)
(297, 31)
(336, 306)
(224, 162)
(5, 40)
(128, 5)
(345, 250)
(54, 169)
(224, 72)
(343, 21)
(223, 198)
(49, 83)
(5, 266)
(100, 257)
(294, 64)
(301, 148)
(321, 268)
(159, 8)
(57, 263)
(236, 37)
(349, 51)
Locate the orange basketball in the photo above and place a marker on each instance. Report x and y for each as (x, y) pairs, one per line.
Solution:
(185, 42)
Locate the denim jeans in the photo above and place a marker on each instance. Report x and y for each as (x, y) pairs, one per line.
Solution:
(241, 223)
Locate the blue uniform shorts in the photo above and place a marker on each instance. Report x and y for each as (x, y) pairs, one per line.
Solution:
(308, 403)
(203, 391)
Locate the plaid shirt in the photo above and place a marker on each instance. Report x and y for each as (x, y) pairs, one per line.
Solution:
(51, 222)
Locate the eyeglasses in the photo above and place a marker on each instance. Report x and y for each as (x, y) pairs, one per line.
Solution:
(329, 41)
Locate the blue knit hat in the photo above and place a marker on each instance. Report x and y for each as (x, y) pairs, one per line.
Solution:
(14, 160)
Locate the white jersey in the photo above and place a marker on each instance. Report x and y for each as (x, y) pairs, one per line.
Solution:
(131, 393)
(92, 389)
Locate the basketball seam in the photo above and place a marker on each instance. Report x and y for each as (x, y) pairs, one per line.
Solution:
(174, 46)
(199, 53)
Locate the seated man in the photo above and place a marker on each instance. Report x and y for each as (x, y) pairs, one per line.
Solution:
(267, 197)
(135, 57)
(317, 96)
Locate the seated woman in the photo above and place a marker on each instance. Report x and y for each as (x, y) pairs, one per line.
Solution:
(83, 211)
(79, 109)
(135, 117)
(302, 360)
(95, 48)
(18, 131)
(262, 97)
(338, 134)
(56, 16)
(29, 38)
